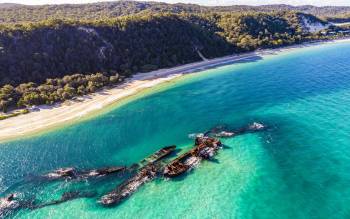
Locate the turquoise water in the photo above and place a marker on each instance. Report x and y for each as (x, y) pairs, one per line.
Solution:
(298, 168)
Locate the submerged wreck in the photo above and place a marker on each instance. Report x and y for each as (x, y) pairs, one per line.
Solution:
(67, 196)
(206, 145)
(205, 148)
(8, 204)
(147, 173)
(127, 188)
(220, 132)
(160, 154)
(72, 173)
(12, 203)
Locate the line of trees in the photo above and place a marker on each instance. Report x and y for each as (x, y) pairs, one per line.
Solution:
(53, 90)
(55, 48)
(73, 51)
(13, 13)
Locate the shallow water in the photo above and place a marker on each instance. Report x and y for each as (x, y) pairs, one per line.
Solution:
(298, 168)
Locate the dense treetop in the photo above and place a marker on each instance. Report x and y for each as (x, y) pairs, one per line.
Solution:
(55, 48)
(56, 59)
(23, 13)
(136, 43)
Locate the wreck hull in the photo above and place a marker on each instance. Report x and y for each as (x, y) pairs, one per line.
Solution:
(143, 175)
(205, 148)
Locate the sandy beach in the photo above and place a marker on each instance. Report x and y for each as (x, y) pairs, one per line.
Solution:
(49, 117)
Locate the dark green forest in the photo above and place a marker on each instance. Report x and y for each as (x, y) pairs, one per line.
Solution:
(35, 52)
(55, 48)
(13, 13)
(56, 59)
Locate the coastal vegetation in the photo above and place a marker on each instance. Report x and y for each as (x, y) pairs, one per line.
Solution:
(55, 48)
(57, 59)
(53, 90)
(13, 114)
(14, 13)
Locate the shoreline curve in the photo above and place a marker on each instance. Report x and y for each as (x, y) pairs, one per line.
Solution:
(51, 117)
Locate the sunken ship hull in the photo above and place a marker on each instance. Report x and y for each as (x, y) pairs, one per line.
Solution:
(205, 148)
(148, 172)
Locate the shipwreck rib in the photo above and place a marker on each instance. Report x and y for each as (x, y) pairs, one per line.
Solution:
(126, 189)
(205, 148)
(145, 174)
(72, 173)
(220, 132)
(160, 154)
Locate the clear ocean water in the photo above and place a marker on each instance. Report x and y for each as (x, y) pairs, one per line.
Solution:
(299, 168)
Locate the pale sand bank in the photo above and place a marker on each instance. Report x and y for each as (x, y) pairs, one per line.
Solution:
(49, 117)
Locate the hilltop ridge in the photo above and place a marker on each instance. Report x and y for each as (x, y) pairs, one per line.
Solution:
(55, 59)
(12, 13)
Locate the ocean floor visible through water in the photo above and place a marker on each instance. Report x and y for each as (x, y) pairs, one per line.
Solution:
(297, 168)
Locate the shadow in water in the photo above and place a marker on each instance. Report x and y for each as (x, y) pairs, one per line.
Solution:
(224, 146)
(310, 168)
(213, 160)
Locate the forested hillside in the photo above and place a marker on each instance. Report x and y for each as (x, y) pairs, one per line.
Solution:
(22, 13)
(55, 48)
(34, 52)
(55, 60)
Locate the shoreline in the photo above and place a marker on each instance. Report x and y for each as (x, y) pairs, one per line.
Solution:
(51, 117)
